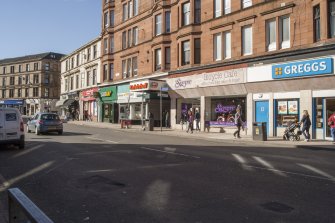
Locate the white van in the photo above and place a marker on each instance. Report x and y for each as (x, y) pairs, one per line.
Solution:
(11, 127)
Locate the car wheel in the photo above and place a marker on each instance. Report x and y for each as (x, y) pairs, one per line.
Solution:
(60, 132)
(37, 132)
(21, 144)
(28, 130)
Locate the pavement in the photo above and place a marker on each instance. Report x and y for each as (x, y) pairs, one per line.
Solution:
(215, 136)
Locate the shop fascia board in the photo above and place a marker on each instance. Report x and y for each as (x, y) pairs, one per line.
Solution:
(135, 79)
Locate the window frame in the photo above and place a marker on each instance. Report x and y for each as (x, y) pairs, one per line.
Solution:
(270, 44)
(158, 59)
(186, 52)
(158, 24)
(186, 15)
(244, 41)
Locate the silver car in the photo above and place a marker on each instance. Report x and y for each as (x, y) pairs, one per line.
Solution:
(45, 122)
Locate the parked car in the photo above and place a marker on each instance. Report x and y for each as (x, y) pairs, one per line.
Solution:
(25, 118)
(11, 127)
(44, 123)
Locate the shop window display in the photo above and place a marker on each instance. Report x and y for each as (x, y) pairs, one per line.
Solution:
(124, 112)
(223, 110)
(137, 114)
(287, 111)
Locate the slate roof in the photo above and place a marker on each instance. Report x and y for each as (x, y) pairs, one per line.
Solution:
(48, 55)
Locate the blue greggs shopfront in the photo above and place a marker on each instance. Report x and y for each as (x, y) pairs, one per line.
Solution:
(291, 88)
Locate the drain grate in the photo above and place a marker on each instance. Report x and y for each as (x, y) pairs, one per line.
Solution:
(277, 207)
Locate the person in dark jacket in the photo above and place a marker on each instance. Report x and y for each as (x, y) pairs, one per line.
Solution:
(190, 121)
(306, 121)
(197, 120)
(238, 123)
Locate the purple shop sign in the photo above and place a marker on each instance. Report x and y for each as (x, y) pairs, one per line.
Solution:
(224, 109)
(222, 124)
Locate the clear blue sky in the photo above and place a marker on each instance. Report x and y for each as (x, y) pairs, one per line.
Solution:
(37, 26)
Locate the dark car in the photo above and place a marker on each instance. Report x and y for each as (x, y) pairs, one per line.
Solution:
(45, 122)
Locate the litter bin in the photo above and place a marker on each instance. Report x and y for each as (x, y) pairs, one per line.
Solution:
(259, 131)
(149, 124)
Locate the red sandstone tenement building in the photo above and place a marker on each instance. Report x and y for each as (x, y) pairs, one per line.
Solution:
(217, 54)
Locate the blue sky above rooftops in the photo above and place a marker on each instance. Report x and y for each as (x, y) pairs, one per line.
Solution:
(36, 26)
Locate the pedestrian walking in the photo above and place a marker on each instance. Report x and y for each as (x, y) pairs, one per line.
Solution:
(238, 123)
(190, 121)
(197, 120)
(331, 123)
(167, 119)
(306, 121)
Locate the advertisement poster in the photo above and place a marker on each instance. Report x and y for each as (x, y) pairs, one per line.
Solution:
(293, 107)
(282, 107)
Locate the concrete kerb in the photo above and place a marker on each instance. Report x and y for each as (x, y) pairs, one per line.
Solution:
(216, 137)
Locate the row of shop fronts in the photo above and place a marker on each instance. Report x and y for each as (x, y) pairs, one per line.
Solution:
(274, 91)
(131, 101)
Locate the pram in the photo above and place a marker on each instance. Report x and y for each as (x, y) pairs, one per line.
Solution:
(290, 133)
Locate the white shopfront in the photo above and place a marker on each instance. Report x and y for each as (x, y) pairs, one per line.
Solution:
(286, 89)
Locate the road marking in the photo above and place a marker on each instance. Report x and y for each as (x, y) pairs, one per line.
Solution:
(292, 173)
(35, 170)
(269, 166)
(174, 153)
(28, 151)
(315, 170)
(104, 140)
(140, 167)
(242, 161)
(91, 153)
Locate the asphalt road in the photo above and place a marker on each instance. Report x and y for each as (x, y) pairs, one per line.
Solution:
(99, 175)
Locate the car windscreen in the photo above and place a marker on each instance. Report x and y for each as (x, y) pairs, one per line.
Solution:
(49, 117)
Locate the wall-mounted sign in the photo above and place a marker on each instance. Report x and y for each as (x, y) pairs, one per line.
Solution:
(226, 77)
(11, 102)
(303, 68)
(130, 97)
(106, 94)
(89, 93)
(146, 85)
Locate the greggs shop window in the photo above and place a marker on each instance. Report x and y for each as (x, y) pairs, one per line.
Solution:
(287, 111)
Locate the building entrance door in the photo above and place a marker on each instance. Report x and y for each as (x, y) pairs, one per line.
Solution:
(262, 113)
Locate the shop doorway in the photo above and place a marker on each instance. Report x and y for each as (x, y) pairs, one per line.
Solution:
(262, 113)
(330, 108)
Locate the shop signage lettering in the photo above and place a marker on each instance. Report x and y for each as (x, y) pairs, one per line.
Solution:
(106, 94)
(220, 75)
(182, 83)
(146, 85)
(303, 68)
(224, 109)
(89, 93)
(139, 86)
(218, 78)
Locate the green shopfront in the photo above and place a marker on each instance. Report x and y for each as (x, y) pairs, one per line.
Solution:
(109, 107)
